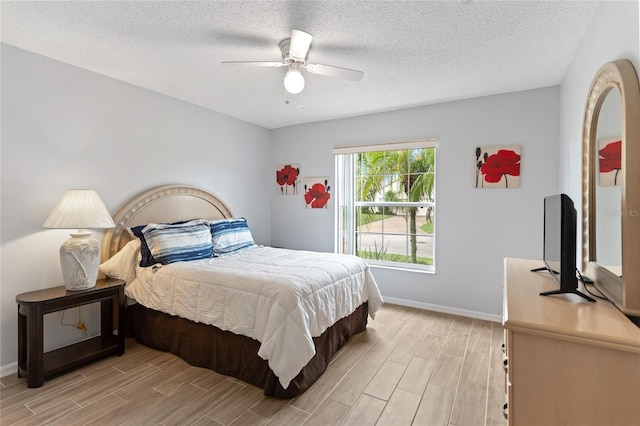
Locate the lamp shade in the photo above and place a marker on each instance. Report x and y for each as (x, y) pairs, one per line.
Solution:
(80, 255)
(80, 209)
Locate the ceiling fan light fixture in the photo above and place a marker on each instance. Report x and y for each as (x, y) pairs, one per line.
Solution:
(294, 53)
(294, 81)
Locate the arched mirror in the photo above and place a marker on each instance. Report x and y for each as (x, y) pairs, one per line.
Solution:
(611, 185)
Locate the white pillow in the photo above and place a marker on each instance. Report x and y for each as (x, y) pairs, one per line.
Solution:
(123, 264)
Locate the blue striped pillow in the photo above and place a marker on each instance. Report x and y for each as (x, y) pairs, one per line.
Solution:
(179, 242)
(146, 259)
(230, 235)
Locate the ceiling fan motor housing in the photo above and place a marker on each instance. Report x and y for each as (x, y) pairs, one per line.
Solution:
(286, 56)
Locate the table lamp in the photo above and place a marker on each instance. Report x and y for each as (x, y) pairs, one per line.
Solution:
(80, 209)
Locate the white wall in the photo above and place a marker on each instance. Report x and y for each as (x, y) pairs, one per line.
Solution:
(475, 228)
(613, 34)
(64, 127)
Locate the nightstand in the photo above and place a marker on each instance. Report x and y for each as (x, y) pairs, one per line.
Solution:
(37, 365)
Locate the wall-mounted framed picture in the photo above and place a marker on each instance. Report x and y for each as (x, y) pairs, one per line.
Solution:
(497, 166)
(316, 192)
(288, 179)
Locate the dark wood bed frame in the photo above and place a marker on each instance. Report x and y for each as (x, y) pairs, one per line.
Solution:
(205, 345)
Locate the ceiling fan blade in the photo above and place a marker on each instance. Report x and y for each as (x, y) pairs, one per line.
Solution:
(300, 42)
(333, 71)
(253, 64)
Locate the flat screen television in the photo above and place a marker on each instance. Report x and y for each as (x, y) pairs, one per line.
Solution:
(559, 248)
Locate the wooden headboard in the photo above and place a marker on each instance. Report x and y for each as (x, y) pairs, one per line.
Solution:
(162, 204)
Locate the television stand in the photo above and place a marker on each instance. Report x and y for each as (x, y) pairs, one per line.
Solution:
(544, 268)
(561, 291)
(578, 292)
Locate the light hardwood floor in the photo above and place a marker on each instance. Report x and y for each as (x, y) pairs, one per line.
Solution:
(410, 367)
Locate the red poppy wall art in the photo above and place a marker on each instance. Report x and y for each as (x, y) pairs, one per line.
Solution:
(610, 161)
(288, 179)
(316, 192)
(497, 167)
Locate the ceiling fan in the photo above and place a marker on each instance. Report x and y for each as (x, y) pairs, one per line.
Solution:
(294, 55)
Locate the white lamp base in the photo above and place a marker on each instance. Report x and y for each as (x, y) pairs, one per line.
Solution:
(80, 259)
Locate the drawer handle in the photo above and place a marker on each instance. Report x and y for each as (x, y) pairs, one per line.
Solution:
(505, 410)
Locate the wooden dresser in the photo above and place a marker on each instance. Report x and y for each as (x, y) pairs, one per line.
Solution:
(567, 361)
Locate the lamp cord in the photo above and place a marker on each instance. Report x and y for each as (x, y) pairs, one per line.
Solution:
(80, 325)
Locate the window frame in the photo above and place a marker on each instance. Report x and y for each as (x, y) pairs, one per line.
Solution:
(345, 215)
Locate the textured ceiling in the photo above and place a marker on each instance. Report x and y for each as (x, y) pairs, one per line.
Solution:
(412, 53)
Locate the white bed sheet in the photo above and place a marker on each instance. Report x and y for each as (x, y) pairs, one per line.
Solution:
(282, 298)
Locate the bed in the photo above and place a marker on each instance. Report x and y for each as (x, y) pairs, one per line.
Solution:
(271, 317)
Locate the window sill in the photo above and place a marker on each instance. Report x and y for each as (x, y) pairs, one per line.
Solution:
(418, 270)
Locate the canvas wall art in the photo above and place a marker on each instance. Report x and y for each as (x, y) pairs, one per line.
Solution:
(288, 179)
(610, 161)
(497, 166)
(316, 192)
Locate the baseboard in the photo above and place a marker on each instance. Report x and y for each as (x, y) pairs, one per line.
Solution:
(8, 369)
(444, 309)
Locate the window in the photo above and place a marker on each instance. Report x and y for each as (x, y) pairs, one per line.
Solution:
(386, 203)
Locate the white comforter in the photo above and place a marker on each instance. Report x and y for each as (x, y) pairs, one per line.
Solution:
(282, 298)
